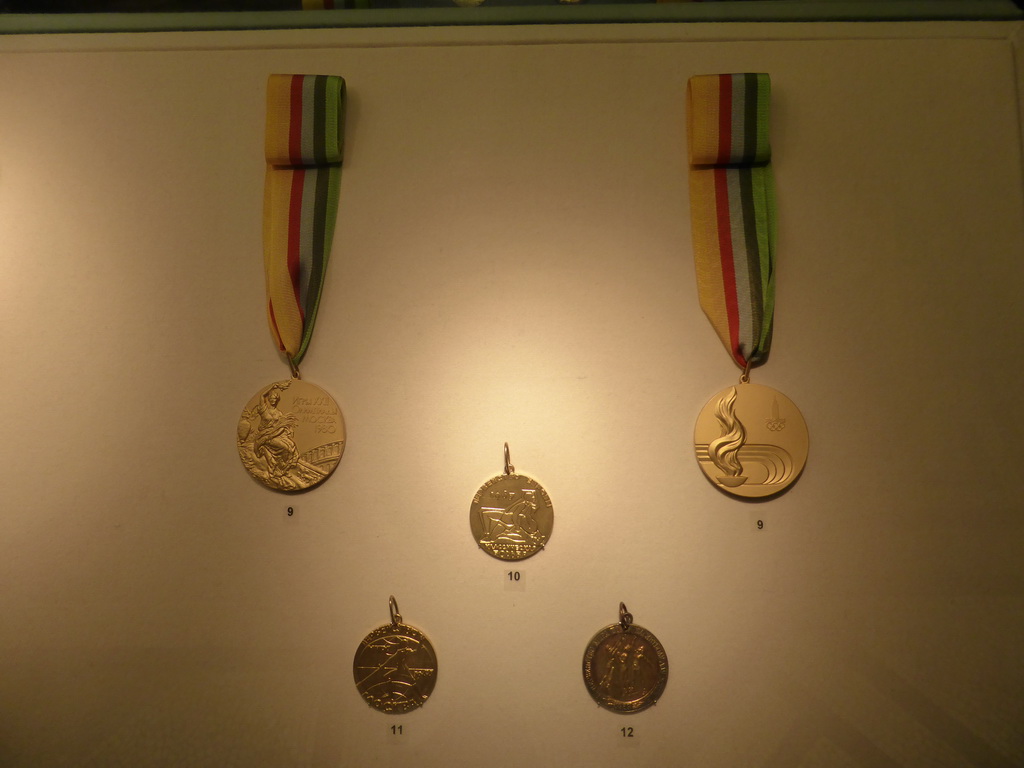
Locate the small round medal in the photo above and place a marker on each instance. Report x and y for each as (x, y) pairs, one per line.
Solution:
(395, 667)
(291, 435)
(625, 667)
(751, 441)
(511, 515)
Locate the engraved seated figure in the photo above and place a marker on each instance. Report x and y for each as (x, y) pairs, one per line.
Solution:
(273, 440)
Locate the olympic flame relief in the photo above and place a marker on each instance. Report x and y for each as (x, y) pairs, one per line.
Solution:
(750, 440)
(724, 451)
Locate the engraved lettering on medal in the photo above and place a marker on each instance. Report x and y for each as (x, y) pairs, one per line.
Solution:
(319, 411)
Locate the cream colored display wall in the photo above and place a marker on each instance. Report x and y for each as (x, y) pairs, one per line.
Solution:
(512, 263)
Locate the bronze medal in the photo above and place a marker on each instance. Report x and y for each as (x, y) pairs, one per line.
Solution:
(625, 667)
(395, 667)
(291, 435)
(751, 441)
(511, 515)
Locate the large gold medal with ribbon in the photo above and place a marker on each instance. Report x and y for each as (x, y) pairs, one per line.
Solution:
(750, 440)
(291, 434)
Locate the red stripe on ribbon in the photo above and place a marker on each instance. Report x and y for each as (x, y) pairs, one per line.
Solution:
(728, 269)
(295, 123)
(295, 233)
(724, 118)
(273, 324)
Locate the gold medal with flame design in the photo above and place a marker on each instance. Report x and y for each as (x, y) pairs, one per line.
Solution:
(751, 441)
(291, 435)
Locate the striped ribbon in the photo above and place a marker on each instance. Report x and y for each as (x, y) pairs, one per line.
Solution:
(732, 208)
(305, 138)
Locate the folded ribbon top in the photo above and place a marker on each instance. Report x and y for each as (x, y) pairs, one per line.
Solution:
(303, 125)
(728, 119)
